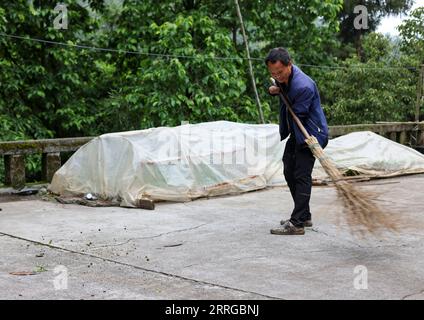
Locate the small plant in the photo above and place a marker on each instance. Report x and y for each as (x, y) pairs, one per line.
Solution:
(40, 269)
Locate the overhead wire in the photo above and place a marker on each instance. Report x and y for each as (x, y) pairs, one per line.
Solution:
(179, 56)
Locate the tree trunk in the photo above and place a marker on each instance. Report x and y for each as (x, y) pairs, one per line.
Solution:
(358, 45)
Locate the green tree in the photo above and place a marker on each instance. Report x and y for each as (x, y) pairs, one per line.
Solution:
(57, 91)
(192, 87)
(377, 89)
(44, 88)
(412, 35)
(377, 9)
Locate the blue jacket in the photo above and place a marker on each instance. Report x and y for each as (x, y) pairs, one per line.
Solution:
(304, 96)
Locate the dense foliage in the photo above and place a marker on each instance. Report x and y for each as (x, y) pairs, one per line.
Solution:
(184, 60)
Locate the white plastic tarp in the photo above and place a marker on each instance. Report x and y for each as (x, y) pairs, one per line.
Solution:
(207, 159)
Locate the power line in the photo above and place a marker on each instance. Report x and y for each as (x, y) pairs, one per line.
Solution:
(119, 50)
(358, 67)
(162, 55)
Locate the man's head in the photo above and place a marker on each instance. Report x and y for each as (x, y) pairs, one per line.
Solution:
(279, 64)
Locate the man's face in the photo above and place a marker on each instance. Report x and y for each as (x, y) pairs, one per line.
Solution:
(279, 71)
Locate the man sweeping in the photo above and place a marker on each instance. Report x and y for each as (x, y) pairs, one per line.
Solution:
(302, 93)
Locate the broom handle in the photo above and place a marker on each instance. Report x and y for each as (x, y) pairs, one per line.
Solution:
(289, 107)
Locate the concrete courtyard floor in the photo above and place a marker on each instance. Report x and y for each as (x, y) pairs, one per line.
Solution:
(217, 248)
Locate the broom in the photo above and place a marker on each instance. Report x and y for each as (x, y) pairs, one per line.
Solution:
(363, 214)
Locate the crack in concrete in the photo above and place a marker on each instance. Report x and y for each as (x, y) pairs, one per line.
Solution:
(412, 294)
(400, 245)
(190, 265)
(254, 257)
(318, 231)
(150, 237)
(199, 264)
(333, 236)
(113, 245)
(175, 231)
(167, 274)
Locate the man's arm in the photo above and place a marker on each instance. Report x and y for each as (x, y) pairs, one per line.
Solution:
(302, 102)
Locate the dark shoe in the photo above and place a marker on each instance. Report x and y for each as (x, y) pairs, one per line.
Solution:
(288, 229)
(306, 224)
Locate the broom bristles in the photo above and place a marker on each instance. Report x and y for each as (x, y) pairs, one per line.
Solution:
(363, 214)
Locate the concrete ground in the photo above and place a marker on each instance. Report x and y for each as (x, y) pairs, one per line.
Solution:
(218, 248)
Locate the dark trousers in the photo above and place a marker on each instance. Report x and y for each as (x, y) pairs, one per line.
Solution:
(298, 163)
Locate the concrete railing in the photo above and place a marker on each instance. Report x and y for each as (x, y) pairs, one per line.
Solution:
(14, 153)
(408, 133)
